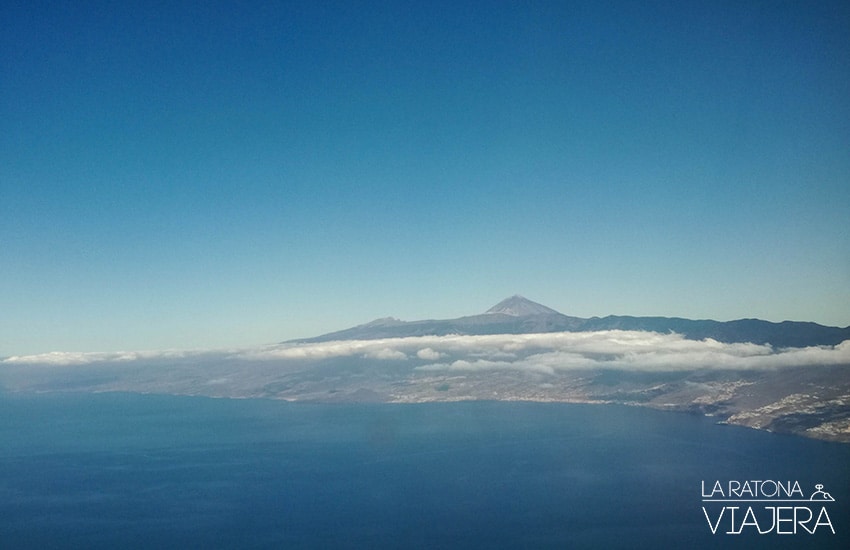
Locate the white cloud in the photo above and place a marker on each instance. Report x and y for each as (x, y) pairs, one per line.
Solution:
(386, 354)
(484, 365)
(551, 352)
(542, 353)
(429, 354)
(62, 358)
(631, 350)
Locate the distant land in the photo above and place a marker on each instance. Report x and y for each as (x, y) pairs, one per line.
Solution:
(789, 377)
(519, 315)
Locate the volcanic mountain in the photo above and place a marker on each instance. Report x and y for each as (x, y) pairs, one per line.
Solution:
(519, 315)
(794, 390)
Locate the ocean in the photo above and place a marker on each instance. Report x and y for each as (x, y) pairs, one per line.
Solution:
(150, 471)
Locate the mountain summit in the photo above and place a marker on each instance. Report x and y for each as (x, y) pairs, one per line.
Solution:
(518, 306)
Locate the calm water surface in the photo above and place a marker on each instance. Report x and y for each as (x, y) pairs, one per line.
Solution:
(141, 471)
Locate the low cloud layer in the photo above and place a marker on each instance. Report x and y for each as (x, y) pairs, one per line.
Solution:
(540, 353)
(551, 352)
(72, 358)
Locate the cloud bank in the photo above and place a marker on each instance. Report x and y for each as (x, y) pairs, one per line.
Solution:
(540, 353)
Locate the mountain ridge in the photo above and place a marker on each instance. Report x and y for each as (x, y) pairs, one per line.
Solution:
(519, 315)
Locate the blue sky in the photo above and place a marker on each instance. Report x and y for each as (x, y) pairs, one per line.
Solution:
(231, 174)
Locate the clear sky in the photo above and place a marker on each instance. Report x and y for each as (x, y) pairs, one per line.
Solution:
(217, 174)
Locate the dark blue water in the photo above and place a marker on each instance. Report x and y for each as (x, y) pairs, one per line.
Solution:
(131, 471)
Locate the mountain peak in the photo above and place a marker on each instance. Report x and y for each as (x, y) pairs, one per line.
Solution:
(384, 322)
(519, 306)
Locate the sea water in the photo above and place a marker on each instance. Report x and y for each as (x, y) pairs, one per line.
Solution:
(147, 471)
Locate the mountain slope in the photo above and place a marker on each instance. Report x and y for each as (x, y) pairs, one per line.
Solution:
(515, 315)
(782, 335)
(518, 315)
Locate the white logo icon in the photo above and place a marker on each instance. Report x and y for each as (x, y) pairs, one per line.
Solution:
(819, 494)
